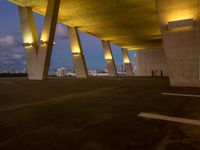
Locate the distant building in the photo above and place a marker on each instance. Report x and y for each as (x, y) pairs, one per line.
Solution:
(70, 72)
(24, 70)
(12, 70)
(92, 72)
(61, 72)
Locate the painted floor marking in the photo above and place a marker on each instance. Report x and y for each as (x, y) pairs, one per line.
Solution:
(176, 94)
(6, 82)
(169, 118)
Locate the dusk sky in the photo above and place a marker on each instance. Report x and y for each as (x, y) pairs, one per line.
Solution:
(12, 52)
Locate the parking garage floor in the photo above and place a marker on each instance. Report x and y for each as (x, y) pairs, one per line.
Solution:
(98, 114)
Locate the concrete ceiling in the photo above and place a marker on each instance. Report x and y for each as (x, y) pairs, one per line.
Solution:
(131, 24)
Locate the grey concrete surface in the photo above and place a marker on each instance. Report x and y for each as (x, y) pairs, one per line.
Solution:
(134, 25)
(77, 53)
(121, 22)
(95, 114)
(110, 62)
(127, 62)
(38, 53)
(182, 47)
(150, 62)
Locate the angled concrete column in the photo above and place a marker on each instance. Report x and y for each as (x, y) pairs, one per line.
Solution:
(77, 53)
(180, 28)
(30, 40)
(127, 62)
(112, 71)
(38, 53)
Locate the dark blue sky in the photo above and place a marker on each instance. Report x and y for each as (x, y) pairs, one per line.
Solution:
(12, 53)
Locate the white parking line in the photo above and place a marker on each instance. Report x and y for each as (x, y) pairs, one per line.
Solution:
(169, 118)
(176, 94)
(6, 82)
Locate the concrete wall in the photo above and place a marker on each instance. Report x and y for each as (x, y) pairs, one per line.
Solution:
(148, 61)
(182, 47)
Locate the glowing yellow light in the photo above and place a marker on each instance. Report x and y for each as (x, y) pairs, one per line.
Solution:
(44, 37)
(76, 49)
(28, 39)
(179, 14)
(108, 56)
(126, 60)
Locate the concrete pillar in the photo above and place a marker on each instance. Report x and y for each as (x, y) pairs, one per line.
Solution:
(127, 62)
(112, 71)
(180, 28)
(30, 40)
(38, 53)
(77, 53)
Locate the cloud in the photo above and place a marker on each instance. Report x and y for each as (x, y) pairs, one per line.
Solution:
(61, 31)
(11, 52)
(17, 56)
(8, 41)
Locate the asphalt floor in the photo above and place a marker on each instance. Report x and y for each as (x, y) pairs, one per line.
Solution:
(96, 114)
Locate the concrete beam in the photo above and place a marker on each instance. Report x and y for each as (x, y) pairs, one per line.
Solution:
(77, 53)
(38, 53)
(127, 62)
(112, 71)
(135, 26)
